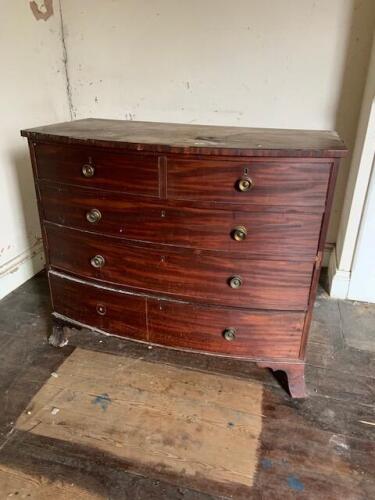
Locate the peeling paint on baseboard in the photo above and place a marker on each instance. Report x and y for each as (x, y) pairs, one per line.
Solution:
(14, 264)
(42, 10)
(20, 269)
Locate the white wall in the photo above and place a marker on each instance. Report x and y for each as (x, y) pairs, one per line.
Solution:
(264, 63)
(351, 267)
(32, 85)
(362, 280)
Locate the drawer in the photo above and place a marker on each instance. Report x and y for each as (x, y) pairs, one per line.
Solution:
(113, 312)
(225, 331)
(270, 234)
(267, 182)
(204, 276)
(100, 168)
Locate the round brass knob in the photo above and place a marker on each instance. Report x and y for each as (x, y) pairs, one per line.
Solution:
(88, 170)
(239, 233)
(94, 215)
(235, 282)
(245, 184)
(229, 334)
(101, 309)
(98, 261)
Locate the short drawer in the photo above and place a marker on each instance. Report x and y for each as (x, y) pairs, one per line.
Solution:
(213, 277)
(113, 312)
(235, 332)
(269, 234)
(263, 182)
(98, 167)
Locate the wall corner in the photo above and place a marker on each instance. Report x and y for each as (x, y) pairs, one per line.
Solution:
(338, 280)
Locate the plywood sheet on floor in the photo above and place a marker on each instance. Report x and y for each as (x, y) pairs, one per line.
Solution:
(168, 419)
(17, 484)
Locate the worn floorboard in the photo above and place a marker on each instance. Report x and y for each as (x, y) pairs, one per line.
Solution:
(142, 423)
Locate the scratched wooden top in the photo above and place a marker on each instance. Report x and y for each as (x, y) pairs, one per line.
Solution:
(194, 139)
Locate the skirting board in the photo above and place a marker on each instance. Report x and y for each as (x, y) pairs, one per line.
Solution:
(21, 268)
(328, 249)
(338, 280)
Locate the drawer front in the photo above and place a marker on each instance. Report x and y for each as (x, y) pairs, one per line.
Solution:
(271, 235)
(113, 312)
(269, 183)
(205, 276)
(225, 331)
(100, 168)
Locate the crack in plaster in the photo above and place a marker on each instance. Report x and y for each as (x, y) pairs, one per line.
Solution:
(72, 110)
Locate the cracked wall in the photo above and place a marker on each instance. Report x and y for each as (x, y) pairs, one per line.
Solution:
(253, 63)
(32, 93)
(289, 64)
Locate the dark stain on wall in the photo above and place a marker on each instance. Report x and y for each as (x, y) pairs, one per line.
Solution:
(42, 13)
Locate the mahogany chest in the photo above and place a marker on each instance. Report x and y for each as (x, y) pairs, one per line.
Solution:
(194, 237)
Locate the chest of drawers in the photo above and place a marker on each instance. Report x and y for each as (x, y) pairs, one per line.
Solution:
(192, 237)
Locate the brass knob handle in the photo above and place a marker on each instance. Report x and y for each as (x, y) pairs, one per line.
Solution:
(98, 261)
(239, 233)
(101, 309)
(245, 184)
(235, 282)
(94, 215)
(229, 334)
(88, 170)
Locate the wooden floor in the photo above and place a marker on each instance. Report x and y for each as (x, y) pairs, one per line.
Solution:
(109, 419)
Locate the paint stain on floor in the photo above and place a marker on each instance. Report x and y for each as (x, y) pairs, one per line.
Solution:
(102, 400)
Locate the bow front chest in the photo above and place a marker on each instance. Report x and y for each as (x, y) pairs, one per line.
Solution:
(194, 237)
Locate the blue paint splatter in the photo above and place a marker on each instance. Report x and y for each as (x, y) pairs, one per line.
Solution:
(295, 484)
(103, 400)
(266, 463)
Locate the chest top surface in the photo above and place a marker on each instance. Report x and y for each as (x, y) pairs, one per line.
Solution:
(192, 139)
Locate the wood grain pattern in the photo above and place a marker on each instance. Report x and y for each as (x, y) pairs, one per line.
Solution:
(169, 202)
(112, 312)
(318, 265)
(274, 182)
(270, 235)
(153, 416)
(196, 275)
(129, 173)
(259, 334)
(192, 139)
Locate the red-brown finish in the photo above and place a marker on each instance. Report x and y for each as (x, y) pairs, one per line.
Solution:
(275, 182)
(268, 234)
(318, 265)
(129, 173)
(295, 373)
(113, 312)
(169, 199)
(258, 334)
(202, 276)
(192, 139)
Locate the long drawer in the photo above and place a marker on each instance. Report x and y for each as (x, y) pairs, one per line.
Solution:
(274, 235)
(262, 182)
(223, 330)
(113, 312)
(213, 277)
(135, 173)
(220, 330)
